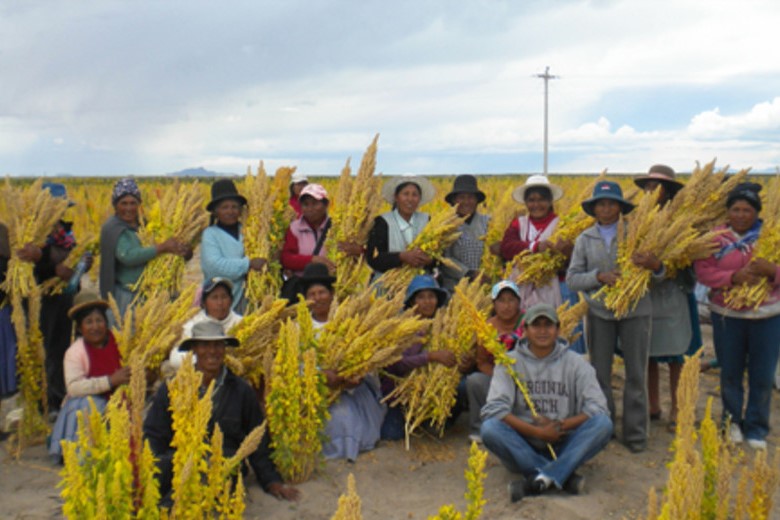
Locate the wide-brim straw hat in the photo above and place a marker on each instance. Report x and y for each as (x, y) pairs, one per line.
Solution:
(86, 299)
(208, 331)
(607, 190)
(660, 173)
(427, 191)
(224, 189)
(537, 181)
(464, 184)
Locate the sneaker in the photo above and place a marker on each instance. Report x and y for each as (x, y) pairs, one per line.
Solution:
(735, 434)
(757, 444)
(475, 437)
(575, 485)
(538, 486)
(517, 489)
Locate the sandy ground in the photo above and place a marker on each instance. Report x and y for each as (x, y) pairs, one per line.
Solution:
(396, 484)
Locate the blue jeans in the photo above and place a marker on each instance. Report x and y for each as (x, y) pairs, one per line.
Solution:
(576, 448)
(567, 295)
(754, 345)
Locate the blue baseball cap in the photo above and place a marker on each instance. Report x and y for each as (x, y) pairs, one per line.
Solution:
(424, 282)
(508, 285)
(607, 190)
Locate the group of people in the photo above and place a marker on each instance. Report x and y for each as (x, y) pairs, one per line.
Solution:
(573, 400)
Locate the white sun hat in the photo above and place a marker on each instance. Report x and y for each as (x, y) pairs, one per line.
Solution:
(427, 191)
(537, 181)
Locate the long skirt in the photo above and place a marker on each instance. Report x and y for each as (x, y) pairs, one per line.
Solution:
(7, 354)
(355, 421)
(66, 427)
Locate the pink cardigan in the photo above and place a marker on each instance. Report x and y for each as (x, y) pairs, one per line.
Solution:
(76, 368)
(717, 273)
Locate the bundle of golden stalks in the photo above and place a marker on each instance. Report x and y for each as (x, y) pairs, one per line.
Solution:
(297, 406)
(678, 233)
(367, 332)
(437, 235)
(501, 216)
(702, 470)
(30, 214)
(539, 268)
(267, 216)
(767, 247)
(176, 213)
(151, 327)
(429, 392)
(349, 503)
(569, 317)
(257, 333)
(352, 214)
(202, 476)
(103, 476)
(30, 368)
(475, 488)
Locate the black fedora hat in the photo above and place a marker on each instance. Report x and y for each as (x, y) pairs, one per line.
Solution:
(224, 189)
(316, 273)
(464, 184)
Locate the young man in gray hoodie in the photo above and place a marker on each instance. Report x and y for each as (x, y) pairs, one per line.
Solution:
(572, 416)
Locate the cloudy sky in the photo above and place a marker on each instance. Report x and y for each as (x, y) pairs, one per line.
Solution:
(133, 87)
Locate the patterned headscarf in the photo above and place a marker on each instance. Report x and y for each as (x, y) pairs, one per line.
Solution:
(126, 186)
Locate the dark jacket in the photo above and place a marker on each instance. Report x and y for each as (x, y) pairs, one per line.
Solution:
(237, 412)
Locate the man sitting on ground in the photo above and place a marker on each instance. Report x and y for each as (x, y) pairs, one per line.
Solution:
(235, 409)
(572, 416)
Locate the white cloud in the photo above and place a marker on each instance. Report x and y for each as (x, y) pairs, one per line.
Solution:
(713, 125)
(162, 86)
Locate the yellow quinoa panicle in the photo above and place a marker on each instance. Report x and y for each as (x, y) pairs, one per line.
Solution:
(678, 233)
(356, 204)
(428, 393)
(367, 332)
(176, 213)
(349, 503)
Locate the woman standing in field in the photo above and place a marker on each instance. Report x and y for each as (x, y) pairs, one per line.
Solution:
(532, 232)
(304, 241)
(122, 257)
(7, 334)
(49, 262)
(92, 367)
(675, 329)
(593, 265)
(298, 181)
(746, 339)
(466, 252)
(357, 414)
(394, 230)
(222, 243)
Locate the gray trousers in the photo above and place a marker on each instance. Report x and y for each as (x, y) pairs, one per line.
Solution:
(477, 386)
(633, 337)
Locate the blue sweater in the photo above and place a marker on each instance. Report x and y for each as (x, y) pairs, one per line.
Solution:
(221, 255)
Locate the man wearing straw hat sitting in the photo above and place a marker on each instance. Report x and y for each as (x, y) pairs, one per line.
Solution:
(569, 422)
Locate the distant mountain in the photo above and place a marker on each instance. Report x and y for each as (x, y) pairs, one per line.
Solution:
(198, 172)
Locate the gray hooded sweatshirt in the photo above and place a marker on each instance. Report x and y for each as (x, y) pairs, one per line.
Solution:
(561, 385)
